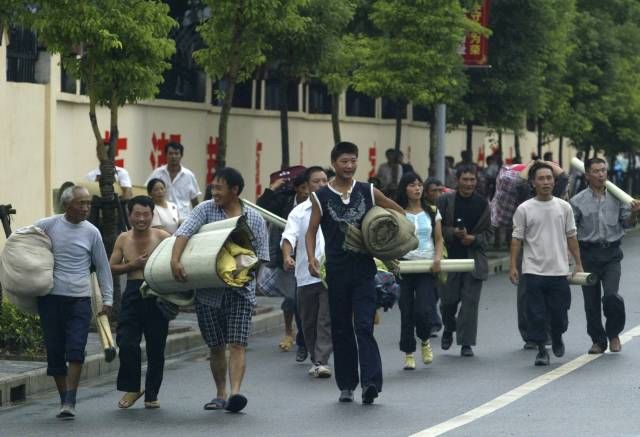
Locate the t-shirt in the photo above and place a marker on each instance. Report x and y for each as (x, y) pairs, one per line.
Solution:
(166, 217)
(122, 176)
(469, 209)
(75, 248)
(422, 222)
(544, 227)
(180, 190)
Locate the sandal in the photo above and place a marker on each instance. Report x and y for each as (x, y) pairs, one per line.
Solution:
(216, 404)
(151, 405)
(129, 399)
(236, 403)
(286, 344)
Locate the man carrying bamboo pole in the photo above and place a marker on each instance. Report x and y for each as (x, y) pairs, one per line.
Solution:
(224, 315)
(139, 316)
(601, 220)
(545, 226)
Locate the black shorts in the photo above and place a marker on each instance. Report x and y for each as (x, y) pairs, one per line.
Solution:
(65, 326)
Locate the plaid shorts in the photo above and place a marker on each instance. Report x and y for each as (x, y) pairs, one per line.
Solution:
(230, 323)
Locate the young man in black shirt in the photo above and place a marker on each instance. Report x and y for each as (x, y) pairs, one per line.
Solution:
(466, 227)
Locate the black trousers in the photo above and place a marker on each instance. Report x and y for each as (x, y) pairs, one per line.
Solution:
(418, 297)
(548, 301)
(352, 306)
(604, 262)
(140, 316)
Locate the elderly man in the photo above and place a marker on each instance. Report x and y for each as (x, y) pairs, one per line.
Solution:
(65, 312)
(224, 315)
(181, 183)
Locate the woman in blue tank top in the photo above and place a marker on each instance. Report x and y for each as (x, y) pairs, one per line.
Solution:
(418, 293)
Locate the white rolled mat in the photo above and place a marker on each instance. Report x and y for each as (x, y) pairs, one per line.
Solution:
(199, 258)
(446, 265)
(583, 278)
(267, 215)
(611, 187)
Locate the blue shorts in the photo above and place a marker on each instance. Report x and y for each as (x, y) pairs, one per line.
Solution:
(65, 326)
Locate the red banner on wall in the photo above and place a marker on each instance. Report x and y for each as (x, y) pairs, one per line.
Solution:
(157, 157)
(476, 46)
(121, 145)
(212, 158)
(372, 160)
(258, 153)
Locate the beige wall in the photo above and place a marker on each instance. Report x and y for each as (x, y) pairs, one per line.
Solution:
(46, 139)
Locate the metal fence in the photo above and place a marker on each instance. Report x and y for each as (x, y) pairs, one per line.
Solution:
(22, 54)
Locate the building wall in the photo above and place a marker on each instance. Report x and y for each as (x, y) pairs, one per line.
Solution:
(47, 139)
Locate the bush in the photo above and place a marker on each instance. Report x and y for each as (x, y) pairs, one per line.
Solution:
(20, 333)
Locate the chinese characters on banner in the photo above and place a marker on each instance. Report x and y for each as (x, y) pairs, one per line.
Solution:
(157, 156)
(475, 45)
(212, 159)
(372, 160)
(258, 153)
(120, 145)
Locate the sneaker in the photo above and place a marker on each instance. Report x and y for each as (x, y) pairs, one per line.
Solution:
(301, 354)
(67, 412)
(530, 345)
(427, 352)
(369, 393)
(313, 370)
(446, 340)
(615, 345)
(346, 396)
(542, 358)
(409, 362)
(557, 346)
(323, 371)
(466, 351)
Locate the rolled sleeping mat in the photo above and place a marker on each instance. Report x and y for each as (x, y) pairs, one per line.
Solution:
(583, 278)
(26, 304)
(200, 258)
(446, 265)
(611, 187)
(272, 218)
(102, 322)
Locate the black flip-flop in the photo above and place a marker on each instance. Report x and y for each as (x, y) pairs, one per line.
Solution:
(215, 404)
(236, 403)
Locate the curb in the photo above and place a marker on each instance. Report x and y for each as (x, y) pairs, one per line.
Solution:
(18, 388)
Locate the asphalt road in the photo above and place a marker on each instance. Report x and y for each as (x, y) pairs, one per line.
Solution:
(598, 398)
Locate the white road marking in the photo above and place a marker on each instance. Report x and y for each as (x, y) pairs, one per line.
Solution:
(518, 392)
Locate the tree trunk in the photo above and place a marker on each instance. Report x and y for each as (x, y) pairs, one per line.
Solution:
(335, 117)
(470, 139)
(539, 138)
(516, 146)
(560, 147)
(284, 121)
(398, 126)
(432, 145)
(500, 148)
(230, 82)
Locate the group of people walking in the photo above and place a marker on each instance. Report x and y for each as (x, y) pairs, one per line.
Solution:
(334, 296)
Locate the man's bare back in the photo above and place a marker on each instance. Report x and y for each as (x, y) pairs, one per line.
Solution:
(132, 249)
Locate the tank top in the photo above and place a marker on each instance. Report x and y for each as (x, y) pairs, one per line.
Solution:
(337, 213)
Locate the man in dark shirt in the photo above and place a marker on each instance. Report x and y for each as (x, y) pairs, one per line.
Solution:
(466, 228)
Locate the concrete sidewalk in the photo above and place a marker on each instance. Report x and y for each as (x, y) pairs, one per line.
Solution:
(21, 379)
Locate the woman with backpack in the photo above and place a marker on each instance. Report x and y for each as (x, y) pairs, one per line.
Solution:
(418, 293)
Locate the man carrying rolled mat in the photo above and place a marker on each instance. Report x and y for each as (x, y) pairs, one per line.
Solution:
(224, 315)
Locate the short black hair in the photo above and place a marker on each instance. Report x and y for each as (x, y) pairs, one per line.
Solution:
(232, 177)
(432, 181)
(142, 201)
(589, 162)
(343, 148)
(175, 146)
(299, 180)
(329, 172)
(311, 170)
(466, 168)
(539, 166)
(152, 183)
(548, 156)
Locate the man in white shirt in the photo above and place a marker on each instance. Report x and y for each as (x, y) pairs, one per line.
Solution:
(122, 178)
(546, 226)
(313, 298)
(181, 183)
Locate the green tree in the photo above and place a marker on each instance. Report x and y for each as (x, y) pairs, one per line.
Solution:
(301, 52)
(236, 39)
(118, 49)
(11, 12)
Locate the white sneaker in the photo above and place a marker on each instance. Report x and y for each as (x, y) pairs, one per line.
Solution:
(323, 371)
(313, 371)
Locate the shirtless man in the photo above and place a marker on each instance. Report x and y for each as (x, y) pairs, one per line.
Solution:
(139, 316)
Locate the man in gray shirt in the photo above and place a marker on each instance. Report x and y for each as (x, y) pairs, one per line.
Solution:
(65, 313)
(601, 221)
